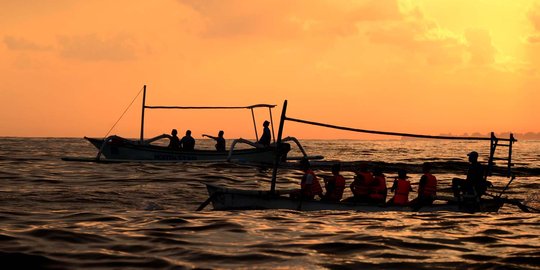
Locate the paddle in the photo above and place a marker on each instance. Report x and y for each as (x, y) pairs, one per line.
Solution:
(524, 208)
(205, 203)
(520, 205)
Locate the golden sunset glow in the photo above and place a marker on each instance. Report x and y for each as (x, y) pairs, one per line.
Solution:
(70, 68)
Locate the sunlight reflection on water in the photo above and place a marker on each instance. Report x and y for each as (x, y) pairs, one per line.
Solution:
(64, 215)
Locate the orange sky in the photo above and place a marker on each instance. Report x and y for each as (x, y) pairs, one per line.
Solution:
(70, 67)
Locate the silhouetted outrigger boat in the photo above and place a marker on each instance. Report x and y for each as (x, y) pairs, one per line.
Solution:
(236, 199)
(118, 149)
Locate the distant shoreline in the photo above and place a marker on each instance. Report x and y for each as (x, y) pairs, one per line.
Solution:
(528, 136)
(519, 137)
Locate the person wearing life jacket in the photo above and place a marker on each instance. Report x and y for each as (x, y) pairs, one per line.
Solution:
(334, 185)
(401, 189)
(427, 187)
(361, 185)
(378, 189)
(309, 185)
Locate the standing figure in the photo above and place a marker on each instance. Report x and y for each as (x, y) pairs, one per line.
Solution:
(401, 189)
(334, 185)
(266, 136)
(220, 141)
(187, 142)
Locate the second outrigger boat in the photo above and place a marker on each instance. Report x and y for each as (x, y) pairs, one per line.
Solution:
(236, 199)
(118, 149)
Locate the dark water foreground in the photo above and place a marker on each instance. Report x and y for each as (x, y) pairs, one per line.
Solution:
(63, 215)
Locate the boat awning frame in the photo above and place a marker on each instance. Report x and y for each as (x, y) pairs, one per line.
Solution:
(250, 107)
(211, 107)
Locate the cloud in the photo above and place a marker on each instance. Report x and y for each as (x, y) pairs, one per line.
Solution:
(418, 35)
(285, 19)
(376, 10)
(534, 18)
(93, 48)
(480, 47)
(22, 44)
(534, 38)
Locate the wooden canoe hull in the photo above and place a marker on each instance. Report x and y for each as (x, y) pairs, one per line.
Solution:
(126, 150)
(235, 199)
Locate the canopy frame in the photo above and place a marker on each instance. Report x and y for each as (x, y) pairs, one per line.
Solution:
(494, 142)
(250, 107)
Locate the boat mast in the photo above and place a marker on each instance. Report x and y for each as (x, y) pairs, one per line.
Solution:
(142, 113)
(278, 144)
(272, 123)
(254, 125)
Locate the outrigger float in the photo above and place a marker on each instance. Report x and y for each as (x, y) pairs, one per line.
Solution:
(237, 199)
(118, 149)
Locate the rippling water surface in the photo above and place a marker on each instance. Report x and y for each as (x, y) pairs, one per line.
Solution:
(67, 215)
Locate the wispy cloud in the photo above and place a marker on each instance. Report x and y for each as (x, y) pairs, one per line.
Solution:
(286, 19)
(22, 44)
(95, 48)
(534, 18)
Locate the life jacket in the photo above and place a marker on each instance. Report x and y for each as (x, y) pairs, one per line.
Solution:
(360, 185)
(401, 195)
(378, 189)
(316, 188)
(339, 187)
(430, 187)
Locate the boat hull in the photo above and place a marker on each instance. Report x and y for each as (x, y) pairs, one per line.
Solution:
(127, 150)
(235, 199)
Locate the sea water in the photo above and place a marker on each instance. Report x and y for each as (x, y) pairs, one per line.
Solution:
(70, 215)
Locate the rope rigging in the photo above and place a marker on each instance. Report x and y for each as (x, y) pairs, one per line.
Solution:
(123, 113)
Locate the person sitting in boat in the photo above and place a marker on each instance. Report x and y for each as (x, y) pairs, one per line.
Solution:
(334, 185)
(378, 189)
(361, 185)
(266, 136)
(174, 142)
(427, 187)
(187, 142)
(401, 189)
(309, 185)
(475, 184)
(220, 141)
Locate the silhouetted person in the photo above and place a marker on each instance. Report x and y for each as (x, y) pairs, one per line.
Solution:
(475, 184)
(361, 184)
(220, 141)
(309, 185)
(266, 136)
(378, 189)
(427, 187)
(401, 189)
(334, 185)
(174, 142)
(187, 142)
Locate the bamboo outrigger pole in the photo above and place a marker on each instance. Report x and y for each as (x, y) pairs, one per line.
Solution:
(493, 140)
(278, 144)
(397, 133)
(142, 114)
